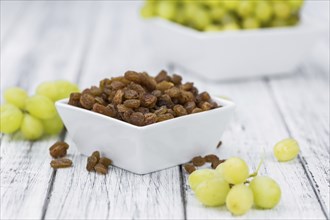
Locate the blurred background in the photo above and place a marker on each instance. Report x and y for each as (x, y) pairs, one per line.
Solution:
(69, 39)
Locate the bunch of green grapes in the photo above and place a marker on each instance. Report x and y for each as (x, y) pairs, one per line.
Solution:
(217, 15)
(229, 185)
(35, 115)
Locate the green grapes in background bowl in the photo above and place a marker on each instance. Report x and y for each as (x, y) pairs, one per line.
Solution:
(34, 116)
(222, 15)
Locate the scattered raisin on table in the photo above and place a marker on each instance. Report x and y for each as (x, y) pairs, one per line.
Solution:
(61, 163)
(189, 168)
(59, 149)
(198, 161)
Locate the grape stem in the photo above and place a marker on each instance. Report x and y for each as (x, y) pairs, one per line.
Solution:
(254, 174)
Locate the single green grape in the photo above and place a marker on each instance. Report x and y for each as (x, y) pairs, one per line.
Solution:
(48, 89)
(230, 4)
(231, 27)
(31, 127)
(201, 19)
(251, 23)
(148, 10)
(189, 10)
(40, 106)
(213, 192)
(239, 199)
(166, 9)
(245, 8)
(53, 125)
(219, 169)
(198, 176)
(282, 10)
(16, 96)
(11, 118)
(266, 192)
(235, 170)
(65, 88)
(217, 13)
(263, 11)
(286, 149)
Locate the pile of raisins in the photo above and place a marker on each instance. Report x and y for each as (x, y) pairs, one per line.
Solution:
(140, 99)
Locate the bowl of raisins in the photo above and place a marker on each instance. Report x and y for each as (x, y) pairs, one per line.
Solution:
(145, 123)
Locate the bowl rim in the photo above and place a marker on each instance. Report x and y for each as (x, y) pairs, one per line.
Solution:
(303, 26)
(226, 104)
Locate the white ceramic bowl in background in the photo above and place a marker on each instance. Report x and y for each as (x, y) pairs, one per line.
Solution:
(149, 148)
(232, 54)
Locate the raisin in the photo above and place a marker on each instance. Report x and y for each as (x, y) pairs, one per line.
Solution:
(161, 110)
(164, 85)
(75, 99)
(132, 76)
(115, 85)
(137, 118)
(87, 101)
(164, 117)
(95, 91)
(131, 94)
(100, 100)
(104, 110)
(190, 106)
(196, 110)
(148, 100)
(147, 81)
(105, 161)
(165, 100)
(136, 87)
(186, 97)
(132, 103)
(205, 96)
(61, 163)
(118, 99)
(101, 169)
(189, 168)
(216, 163)
(198, 161)
(96, 154)
(105, 83)
(187, 86)
(173, 92)
(211, 157)
(58, 149)
(206, 106)
(176, 79)
(91, 162)
(143, 110)
(150, 118)
(162, 76)
(179, 110)
(157, 93)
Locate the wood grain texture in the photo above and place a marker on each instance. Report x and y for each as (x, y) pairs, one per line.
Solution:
(303, 100)
(256, 128)
(25, 171)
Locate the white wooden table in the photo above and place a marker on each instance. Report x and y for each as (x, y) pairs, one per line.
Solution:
(85, 42)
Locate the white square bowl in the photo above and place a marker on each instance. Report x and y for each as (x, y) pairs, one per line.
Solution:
(231, 54)
(149, 148)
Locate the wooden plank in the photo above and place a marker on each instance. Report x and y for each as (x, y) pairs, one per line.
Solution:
(25, 172)
(303, 100)
(120, 194)
(257, 126)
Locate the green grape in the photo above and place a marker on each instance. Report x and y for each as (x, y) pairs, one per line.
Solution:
(48, 89)
(11, 118)
(282, 10)
(230, 4)
(296, 4)
(53, 125)
(251, 23)
(266, 192)
(231, 27)
(239, 199)
(235, 170)
(213, 192)
(217, 13)
(212, 28)
(228, 18)
(40, 106)
(293, 20)
(263, 11)
(198, 176)
(148, 10)
(278, 23)
(190, 10)
(201, 19)
(245, 8)
(65, 88)
(219, 169)
(166, 9)
(31, 127)
(16, 96)
(286, 149)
